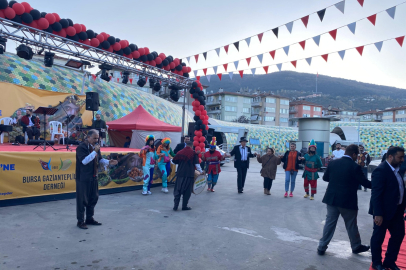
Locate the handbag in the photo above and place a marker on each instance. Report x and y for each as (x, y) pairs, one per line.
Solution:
(167, 159)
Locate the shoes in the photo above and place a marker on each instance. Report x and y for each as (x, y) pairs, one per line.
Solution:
(175, 207)
(286, 194)
(164, 190)
(149, 192)
(390, 266)
(82, 225)
(144, 193)
(291, 194)
(321, 252)
(311, 198)
(212, 190)
(306, 195)
(361, 249)
(209, 189)
(187, 208)
(93, 222)
(265, 191)
(377, 267)
(240, 191)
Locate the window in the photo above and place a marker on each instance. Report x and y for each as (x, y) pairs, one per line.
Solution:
(247, 100)
(284, 102)
(269, 109)
(284, 111)
(400, 112)
(346, 119)
(269, 100)
(317, 109)
(306, 115)
(230, 117)
(231, 109)
(219, 98)
(400, 119)
(231, 99)
(284, 120)
(387, 120)
(306, 108)
(316, 115)
(255, 111)
(352, 120)
(257, 99)
(246, 110)
(269, 118)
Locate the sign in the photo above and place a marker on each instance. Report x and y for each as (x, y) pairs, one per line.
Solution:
(200, 183)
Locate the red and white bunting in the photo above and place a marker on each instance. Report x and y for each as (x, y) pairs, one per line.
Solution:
(241, 73)
(294, 63)
(272, 53)
(305, 20)
(198, 78)
(197, 58)
(205, 71)
(225, 67)
(248, 60)
(333, 34)
(400, 40)
(325, 57)
(131, 81)
(260, 37)
(219, 75)
(372, 19)
(266, 69)
(361, 2)
(226, 48)
(360, 49)
(303, 44)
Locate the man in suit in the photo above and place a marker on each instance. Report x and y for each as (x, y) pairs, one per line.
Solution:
(181, 145)
(88, 157)
(343, 176)
(28, 122)
(387, 207)
(242, 155)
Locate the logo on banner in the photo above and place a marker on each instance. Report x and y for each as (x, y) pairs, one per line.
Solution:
(63, 166)
(7, 167)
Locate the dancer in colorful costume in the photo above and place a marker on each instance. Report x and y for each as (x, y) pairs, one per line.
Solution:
(212, 159)
(312, 163)
(164, 152)
(148, 163)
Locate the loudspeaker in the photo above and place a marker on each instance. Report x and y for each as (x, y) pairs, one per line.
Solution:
(36, 142)
(191, 130)
(92, 101)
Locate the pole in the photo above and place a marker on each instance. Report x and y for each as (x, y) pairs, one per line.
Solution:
(359, 126)
(83, 81)
(183, 114)
(280, 134)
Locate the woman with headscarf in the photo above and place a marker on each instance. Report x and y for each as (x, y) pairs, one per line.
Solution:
(148, 163)
(270, 164)
(164, 152)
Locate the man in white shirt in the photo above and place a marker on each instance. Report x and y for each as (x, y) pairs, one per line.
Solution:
(338, 153)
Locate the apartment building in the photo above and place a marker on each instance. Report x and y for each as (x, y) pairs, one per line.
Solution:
(343, 115)
(371, 116)
(303, 108)
(392, 115)
(228, 106)
(271, 110)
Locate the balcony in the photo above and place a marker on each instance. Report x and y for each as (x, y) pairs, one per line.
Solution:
(294, 111)
(216, 111)
(256, 104)
(213, 102)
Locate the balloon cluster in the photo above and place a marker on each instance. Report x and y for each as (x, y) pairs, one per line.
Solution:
(52, 23)
(201, 118)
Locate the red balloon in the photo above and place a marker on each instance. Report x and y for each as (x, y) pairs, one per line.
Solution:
(136, 54)
(162, 56)
(34, 24)
(207, 117)
(158, 61)
(198, 113)
(94, 42)
(83, 28)
(109, 49)
(197, 102)
(202, 117)
(176, 61)
(195, 109)
(146, 62)
(141, 51)
(172, 65)
(184, 70)
(18, 8)
(202, 139)
(196, 133)
(86, 41)
(202, 145)
(195, 138)
(51, 18)
(146, 50)
(189, 69)
(27, 6)
(9, 13)
(71, 31)
(195, 143)
(194, 103)
(204, 112)
(2, 15)
(198, 148)
(62, 33)
(206, 122)
(44, 24)
(117, 46)
(200, 156)
(207, 127)
(152, 63)
(128, 56)
(201, 108)
(123, 44)
(78, 28)
(167, 68)
(100, 37)
(57, 18)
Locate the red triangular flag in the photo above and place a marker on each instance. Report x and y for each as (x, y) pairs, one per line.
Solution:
(260, 37)
(219, 75)
(131, 81)
(325, 57)
(225, 66)
(226, 48)
(241, 73)
(197, 78)
(400, 40)
(160, 82)
(197, 58)
(303, 44)
(305, 20)
(272, 54)
(372, 19)
(146, 79)
(94, 77)
(294, 63)
(205, 71)
(118, 79)
(361, 2)
(333, 33)
(110, 77)
(266, 69)
(360, 49)
(248, 60)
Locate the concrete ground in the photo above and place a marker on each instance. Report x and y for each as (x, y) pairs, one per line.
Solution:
(225, 230)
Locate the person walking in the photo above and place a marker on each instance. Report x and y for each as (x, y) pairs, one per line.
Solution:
(181, 145)
(270, 164)
(164, 152)
(338, 153)
(242, 155)
(343, 176)
(312, 163)
(291, 161)
(363, 160)
(387, 207)
(148, 163)
(187, 160)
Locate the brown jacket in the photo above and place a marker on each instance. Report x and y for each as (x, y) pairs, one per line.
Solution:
(269, 165)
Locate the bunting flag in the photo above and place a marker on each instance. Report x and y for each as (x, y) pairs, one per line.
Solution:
(289, 26)
(294, 63)
(248, 40)
(360, 49)
(131, 81)
(226, 48)
(286, 49)
(303, 44)
(309, 61)
(208, 77)
(118, 79)
(237, 45)
(341, 53)
(231, 75)
(333, 33)
(391, 12)
(94, 77)
(197, 58)
(225, 67)
(321, 14)
(400, 40)
(220, 75)
(253, 71)
(195, 72)
(305, 20)
(279, 66)
(317, 40)
(276, 31)
(340, 6)
(205, 71)
(378, 45)
(260, 57)
(198, 78)
(248, 60)
(325, 57)
(260, 37)
(218, 52)
(236, 64)
(372, 19)
(215, 69)
(272, 53)
(266, 69)
(188, 60)
(361, 2)
(352, 27)
(110, 78)
(241, 73)
(205, 55)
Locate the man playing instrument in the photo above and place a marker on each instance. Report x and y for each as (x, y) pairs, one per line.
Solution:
(30, 125)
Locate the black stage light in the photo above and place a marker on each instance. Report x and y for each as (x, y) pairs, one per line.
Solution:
(151, 83)
(141, 82)
(104, 74)
(25, 52)
(49, 59)
(3, 41)
(125, 77)
(174, 94)
(157, 87)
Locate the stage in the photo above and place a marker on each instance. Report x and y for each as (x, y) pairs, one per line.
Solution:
(29, 176)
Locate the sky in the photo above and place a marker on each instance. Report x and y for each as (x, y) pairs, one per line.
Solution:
(183, 28)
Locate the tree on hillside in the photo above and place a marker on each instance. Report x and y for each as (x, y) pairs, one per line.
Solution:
(242, 119)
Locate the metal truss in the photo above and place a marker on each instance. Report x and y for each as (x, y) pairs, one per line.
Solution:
(50, 42)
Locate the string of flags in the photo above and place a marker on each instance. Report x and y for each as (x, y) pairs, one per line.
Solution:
(316, 39)
(305, 20)
(341, 53)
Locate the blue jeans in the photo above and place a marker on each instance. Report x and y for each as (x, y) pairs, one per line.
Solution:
(290, 178)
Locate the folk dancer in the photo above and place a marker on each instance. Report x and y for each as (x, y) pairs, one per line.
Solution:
(148, 163)
(312, 164)
(164, 152)
(213, 158)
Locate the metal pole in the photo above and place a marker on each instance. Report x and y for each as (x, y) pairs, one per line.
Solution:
(359, 126)
(279, 134)
(183, 114)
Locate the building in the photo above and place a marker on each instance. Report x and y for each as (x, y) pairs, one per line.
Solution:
(303, 108)
(228, 106)
(271, 110)
(371, 116)
(343, 115)
(392, 115)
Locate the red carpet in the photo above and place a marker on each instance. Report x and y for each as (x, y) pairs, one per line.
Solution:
(29, 148)
(401, 263)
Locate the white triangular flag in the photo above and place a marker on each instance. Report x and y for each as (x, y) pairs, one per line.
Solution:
(289, 26)
(279, 66)
(195, 72)
(253, 71)
(392, 11)
(188, 60)
(236, 64)
(340, 6)
(208, 77)
(215, 70)
(260, 57)
(352, 27)
(317, 40)
(378, 45)
(248, 40)
(342, 53)
(309, 60)
(286, 49)
(231, 75)
(218, 52)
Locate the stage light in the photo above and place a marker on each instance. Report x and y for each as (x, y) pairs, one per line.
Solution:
(25, 52)
(104, 74)
(151, 83)
(49, 59)
(174, 94)
(3, 41)
(157, 87)
(141, 81)
(77, 63)
(125, 77)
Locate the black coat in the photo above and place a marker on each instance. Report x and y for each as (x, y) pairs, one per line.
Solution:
(385, 193)
(85, 172)
(25, 126)
(179, 147)
(237, 159)
(285, 160)
(343, 176)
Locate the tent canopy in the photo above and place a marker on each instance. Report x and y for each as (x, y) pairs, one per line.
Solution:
(140, 119)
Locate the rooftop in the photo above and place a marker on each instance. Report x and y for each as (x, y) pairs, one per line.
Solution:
(370, 112)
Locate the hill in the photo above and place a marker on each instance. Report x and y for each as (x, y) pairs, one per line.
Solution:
(338, 92)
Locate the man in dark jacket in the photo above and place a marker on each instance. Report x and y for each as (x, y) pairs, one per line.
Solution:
(291, 161)
(387, 207)
(28, 122)
(87, 187)
(242, 155)
(343, 176)
(100, 125)
(181, 145)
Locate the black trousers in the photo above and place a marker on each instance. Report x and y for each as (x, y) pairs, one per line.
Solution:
(87, 195)
(396, 228)
(241, 174)
(33, 131)
(268, 183)
(183, 186)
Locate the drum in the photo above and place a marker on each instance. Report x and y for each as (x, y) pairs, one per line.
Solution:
(200, 183)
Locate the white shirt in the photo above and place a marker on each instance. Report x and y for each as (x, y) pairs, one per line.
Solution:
(338, 154)
(30, 124)
(399, 178)
(244, 153)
